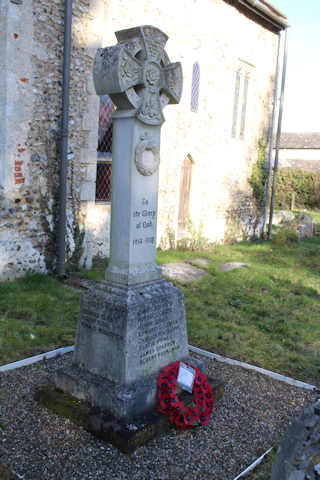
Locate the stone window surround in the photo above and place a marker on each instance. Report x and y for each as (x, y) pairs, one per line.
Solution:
(241, 90)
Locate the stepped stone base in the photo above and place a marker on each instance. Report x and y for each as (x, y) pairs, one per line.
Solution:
(122, 401)
(125, 435)
(126, 334)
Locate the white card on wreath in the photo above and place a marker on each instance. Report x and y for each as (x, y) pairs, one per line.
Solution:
(186, 377)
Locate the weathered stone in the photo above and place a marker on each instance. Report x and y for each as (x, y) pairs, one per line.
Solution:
(282, 216)
(117, 70)
(200, 261)
(139, 59)
(182, 272)
(125, 435)
(299, 449)
(125, 336)
(133, 324)
(304, 224)
(226, 267)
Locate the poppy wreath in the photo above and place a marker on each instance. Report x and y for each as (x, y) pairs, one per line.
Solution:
(184, 417)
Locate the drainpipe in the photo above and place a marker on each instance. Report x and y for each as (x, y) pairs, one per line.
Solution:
(276, 160)
(271, 140)
(268, 13)
(62, 221)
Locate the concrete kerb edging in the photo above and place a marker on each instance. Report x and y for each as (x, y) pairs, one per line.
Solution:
(276, 376)
(215, 356)
(253, 465)
(36, 358)
(268, 373)
(219, 358)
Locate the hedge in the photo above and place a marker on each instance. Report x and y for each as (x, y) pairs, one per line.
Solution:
(304, 184)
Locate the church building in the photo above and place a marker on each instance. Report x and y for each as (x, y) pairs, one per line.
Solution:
(210, 142)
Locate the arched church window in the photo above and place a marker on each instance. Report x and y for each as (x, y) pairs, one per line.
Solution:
(195, 87)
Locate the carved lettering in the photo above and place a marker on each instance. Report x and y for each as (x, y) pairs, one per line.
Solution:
(137, 241)
(153, 338)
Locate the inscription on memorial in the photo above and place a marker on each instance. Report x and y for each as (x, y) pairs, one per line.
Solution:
(157, 339)
(107, 324)
(144, 222)
(98, 325)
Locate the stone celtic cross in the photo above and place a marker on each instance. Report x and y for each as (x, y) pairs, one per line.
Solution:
(132, 324)
(138, 75)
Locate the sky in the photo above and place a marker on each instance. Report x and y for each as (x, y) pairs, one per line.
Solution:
(301, 111)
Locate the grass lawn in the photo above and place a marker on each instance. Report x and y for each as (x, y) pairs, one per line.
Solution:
(267, 314)
(37, 314)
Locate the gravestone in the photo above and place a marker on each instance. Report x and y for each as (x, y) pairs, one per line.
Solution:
(132, 324)
(298, 454)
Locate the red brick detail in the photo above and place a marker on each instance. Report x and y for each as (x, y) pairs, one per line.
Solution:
(24, 79)
(18, 175)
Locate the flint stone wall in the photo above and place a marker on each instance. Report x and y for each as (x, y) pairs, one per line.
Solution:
(207, 32)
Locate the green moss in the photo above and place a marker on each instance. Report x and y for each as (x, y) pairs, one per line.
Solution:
(6, 474)
(259, 175)
(49, 210)
(64, 405)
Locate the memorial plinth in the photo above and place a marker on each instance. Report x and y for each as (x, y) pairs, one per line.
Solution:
(132, 324)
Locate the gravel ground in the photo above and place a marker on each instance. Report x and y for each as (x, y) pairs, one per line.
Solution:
(251, 416)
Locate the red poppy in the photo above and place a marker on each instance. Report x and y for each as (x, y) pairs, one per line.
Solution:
(166, 371)
(172, 391)
(210, 389)
(179, 421)
(200, 401)
(163, 378)
(173, 415)
(165, 402)
(198, 389)
(204, 419)
(163, 386)
(208, 404)
(200, 378)
(190, 416)
(178, 405)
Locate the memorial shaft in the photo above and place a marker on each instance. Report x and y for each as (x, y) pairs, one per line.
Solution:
(132, 324)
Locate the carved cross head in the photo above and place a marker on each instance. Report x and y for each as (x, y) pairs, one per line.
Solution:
(137, 73)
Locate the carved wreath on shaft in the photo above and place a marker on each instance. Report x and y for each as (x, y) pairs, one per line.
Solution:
(147, 156)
